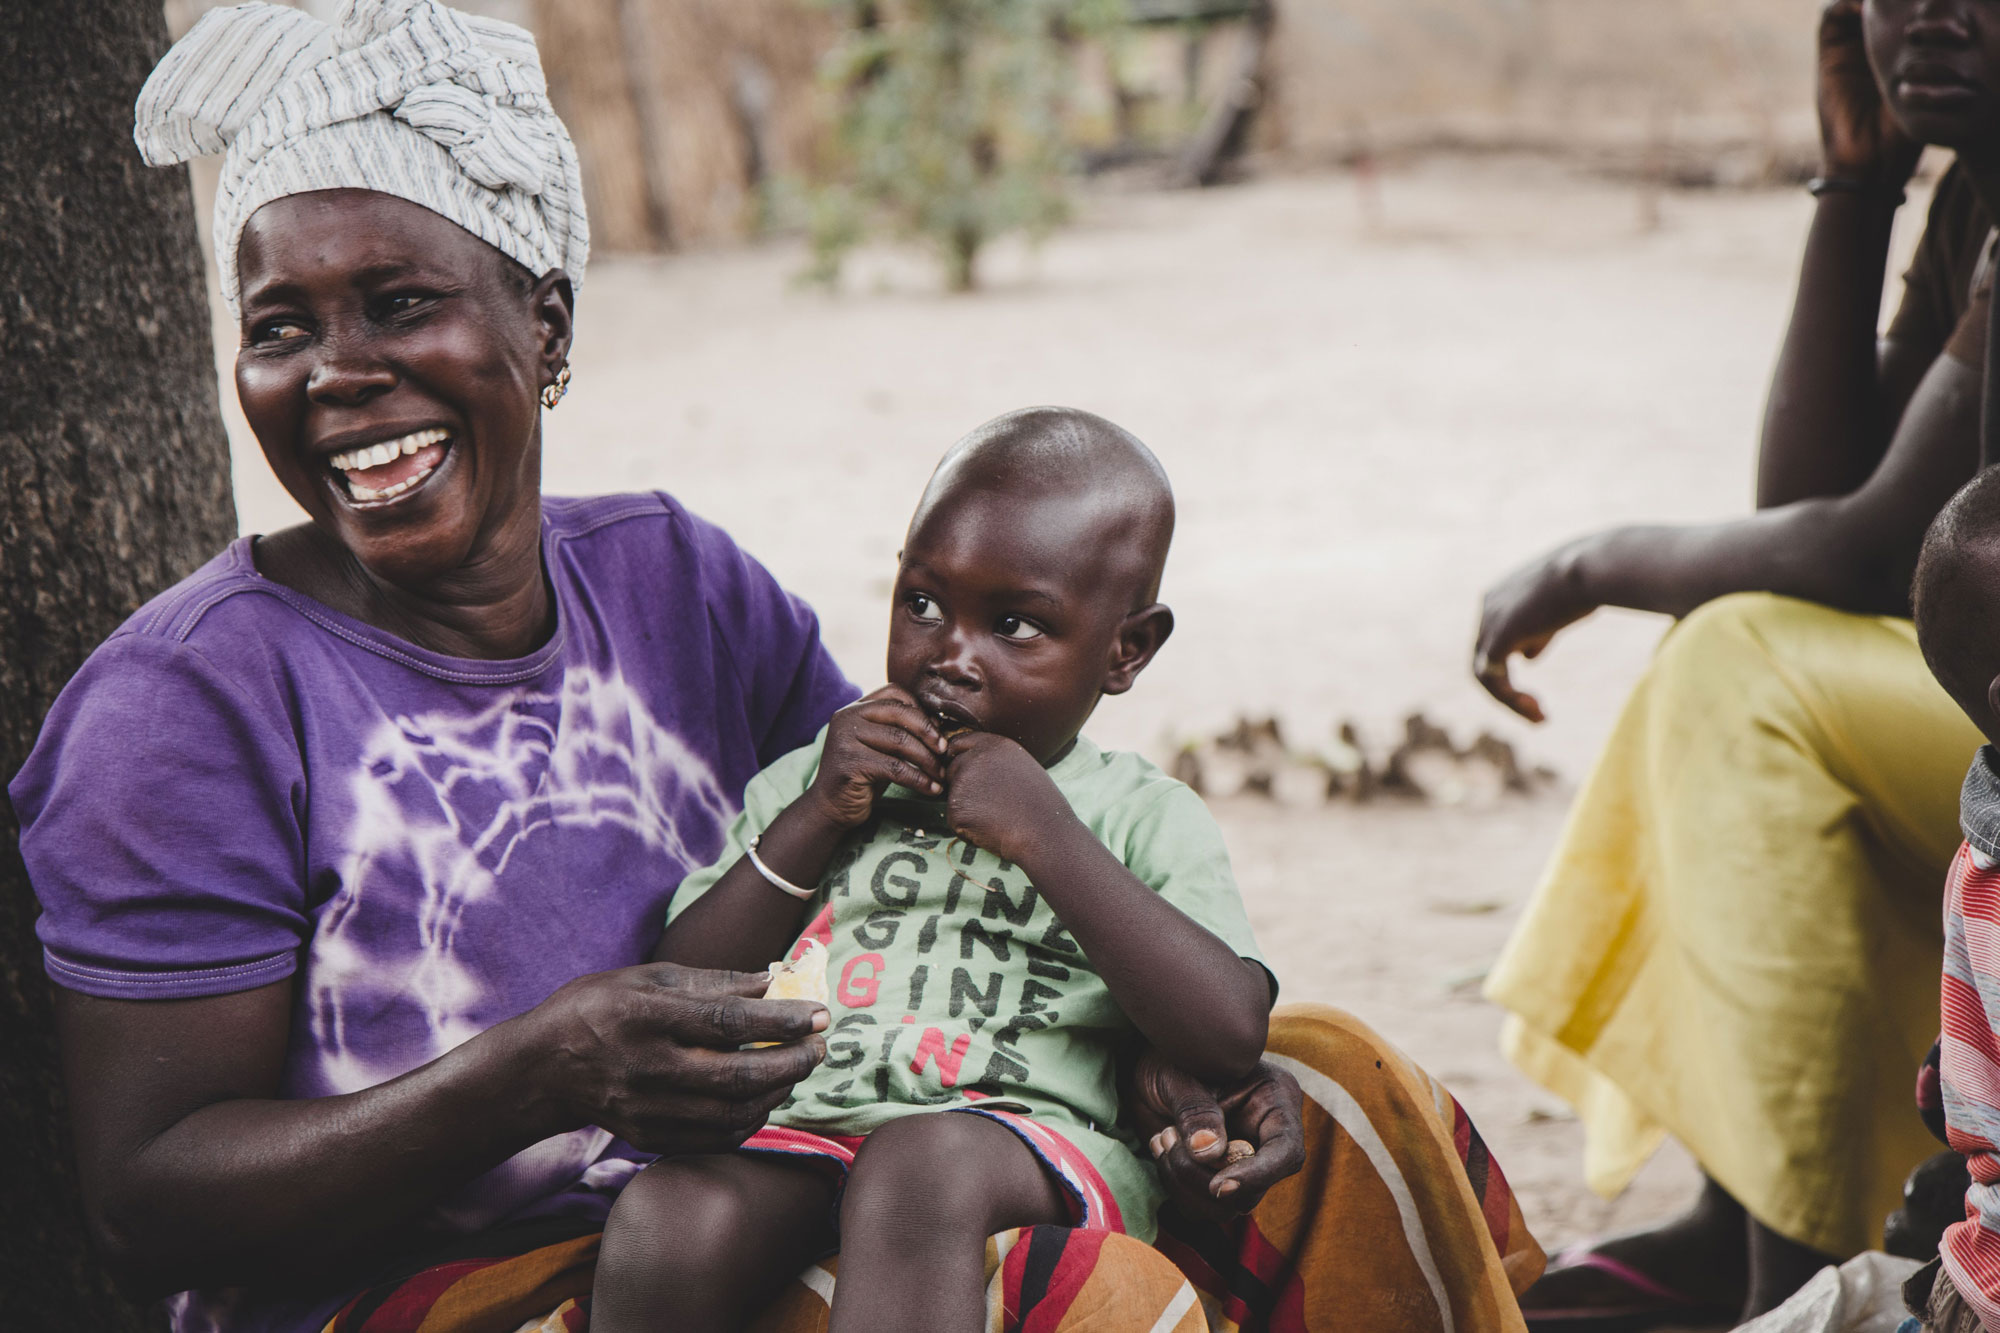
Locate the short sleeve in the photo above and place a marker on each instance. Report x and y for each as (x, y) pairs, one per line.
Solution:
(764, 799)
(790, 681)
(1174, 845)
(1937, 287)
(160, 825)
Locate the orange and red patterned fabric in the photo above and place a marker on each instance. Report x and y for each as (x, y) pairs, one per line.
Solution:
(1400, 1222)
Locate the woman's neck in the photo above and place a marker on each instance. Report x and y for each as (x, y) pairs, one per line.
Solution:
(496, 605)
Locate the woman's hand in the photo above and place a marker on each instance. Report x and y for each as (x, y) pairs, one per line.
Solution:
(1521, 613)
(1860, 138)
(1190, 1126)
(653, 1054)
(871, 743)
(999, 798)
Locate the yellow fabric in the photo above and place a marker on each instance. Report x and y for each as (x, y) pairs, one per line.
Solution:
(1738, 941)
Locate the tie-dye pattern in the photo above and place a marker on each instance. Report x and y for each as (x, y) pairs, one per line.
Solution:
(243, 786)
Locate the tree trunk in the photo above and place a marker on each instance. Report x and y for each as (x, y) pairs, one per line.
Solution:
(114, 482)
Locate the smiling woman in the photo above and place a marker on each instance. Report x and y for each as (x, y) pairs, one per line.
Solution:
(352, 847)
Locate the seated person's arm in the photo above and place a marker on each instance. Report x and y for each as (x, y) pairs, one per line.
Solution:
(196, 1174)
(1835, 396)
(1853, 552)
(1200, 1005)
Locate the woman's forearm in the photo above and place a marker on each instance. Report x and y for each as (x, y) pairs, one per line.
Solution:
(1827, 421)
(262, 1191)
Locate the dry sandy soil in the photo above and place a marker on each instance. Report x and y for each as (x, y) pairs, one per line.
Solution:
(1364, 423)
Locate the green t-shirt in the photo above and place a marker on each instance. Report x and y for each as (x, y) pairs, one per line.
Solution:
(951, 978)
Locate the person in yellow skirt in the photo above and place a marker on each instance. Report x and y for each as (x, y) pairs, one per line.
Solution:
(1737, 943)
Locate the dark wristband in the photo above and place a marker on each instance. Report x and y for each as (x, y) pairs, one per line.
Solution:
(1820, 186)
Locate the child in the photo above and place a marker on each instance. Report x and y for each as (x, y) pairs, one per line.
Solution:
(1004, 905)
(1957, 603)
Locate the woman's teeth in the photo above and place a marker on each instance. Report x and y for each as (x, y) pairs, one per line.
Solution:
(388, 451)
(380, 460)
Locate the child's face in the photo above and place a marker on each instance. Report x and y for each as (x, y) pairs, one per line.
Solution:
(1005, 619)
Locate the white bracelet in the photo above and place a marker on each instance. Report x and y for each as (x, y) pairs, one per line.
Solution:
(776, 881)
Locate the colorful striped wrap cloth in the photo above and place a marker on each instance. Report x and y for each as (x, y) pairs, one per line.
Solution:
(1400, 1222)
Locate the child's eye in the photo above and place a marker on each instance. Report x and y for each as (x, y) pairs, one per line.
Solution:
(1013, 627)
(923, 608)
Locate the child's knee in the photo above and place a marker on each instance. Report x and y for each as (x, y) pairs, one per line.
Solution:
(673, 1216)
(935, 1174)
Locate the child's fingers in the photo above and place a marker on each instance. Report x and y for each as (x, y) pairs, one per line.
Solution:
(899, 710)
(901, 757)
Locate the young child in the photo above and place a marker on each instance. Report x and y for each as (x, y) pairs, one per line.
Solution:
(1004, 908)
(1957, 603)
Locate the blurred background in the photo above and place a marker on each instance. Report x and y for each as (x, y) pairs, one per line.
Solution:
(1402, 292)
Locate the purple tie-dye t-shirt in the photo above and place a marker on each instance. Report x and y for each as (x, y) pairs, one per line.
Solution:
(242, 785)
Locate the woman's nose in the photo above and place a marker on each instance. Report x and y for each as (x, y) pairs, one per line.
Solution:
(347, 375)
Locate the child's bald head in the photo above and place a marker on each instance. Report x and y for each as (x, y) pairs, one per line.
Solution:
(1029, 582)
(1081, 480)
(1956, 599)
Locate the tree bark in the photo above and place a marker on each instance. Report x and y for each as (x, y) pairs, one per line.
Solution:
(114, 482)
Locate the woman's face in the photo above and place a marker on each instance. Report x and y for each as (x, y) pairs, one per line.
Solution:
(390, 367)
(1938, 64)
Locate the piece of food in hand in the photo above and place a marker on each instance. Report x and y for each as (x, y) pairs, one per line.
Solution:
(803, 978)
(1237, 1151)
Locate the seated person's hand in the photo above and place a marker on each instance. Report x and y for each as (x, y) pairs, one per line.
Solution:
(1190, 1125)
(871, 743)
(999, 798)
(1860, 138)
(1520, 614)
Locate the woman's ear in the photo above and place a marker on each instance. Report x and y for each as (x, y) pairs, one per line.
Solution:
(554, 305)
(1139, 639)
(1988, 723)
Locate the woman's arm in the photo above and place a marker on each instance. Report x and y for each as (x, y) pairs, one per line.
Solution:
(1834, 399)
(1201, 1006)
(1855, 552)
(195, 1172)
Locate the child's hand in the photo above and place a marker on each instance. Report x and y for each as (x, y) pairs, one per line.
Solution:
(881, 739)
(999, 798)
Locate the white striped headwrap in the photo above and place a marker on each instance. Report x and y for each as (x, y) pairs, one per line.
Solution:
(404, 97)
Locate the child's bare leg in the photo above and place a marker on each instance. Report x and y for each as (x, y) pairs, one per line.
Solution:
(925, 1193)
(704, 1243)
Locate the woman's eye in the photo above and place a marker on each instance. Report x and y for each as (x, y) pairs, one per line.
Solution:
(922, 607)
(1013, 627)
(277, 331)
(404, 302)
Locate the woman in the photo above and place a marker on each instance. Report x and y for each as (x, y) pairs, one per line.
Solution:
(350, 845)
(1738, 941)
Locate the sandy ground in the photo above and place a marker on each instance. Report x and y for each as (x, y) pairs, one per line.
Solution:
(1365, 424)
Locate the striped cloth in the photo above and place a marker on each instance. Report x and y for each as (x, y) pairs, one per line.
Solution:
(1969, 1068)
(1400, 1222)
(403, 97)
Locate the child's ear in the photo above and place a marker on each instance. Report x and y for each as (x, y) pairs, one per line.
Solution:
(1139, 638)
(1993, 698)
